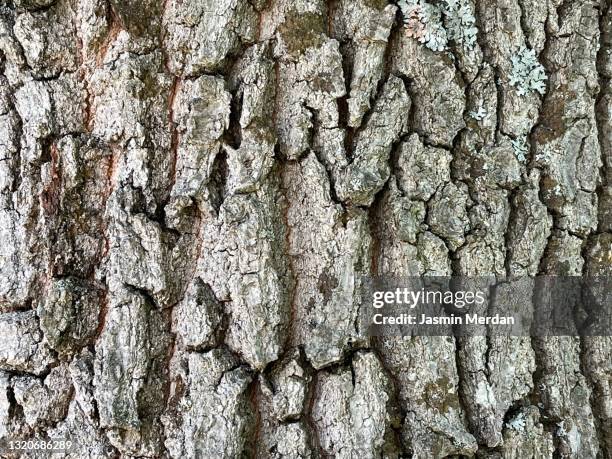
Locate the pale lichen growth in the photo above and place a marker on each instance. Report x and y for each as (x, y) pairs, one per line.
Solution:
(460, 22)
(518, 423)
(520, 148)
(434, 25)
(479, 114)
(424, 22)
(527, 73)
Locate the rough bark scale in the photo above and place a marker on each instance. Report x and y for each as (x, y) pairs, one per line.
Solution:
(190, 188)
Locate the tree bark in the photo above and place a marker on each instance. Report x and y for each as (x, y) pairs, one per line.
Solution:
(190, 188)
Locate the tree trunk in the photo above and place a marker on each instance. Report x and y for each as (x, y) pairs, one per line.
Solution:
(191, 188)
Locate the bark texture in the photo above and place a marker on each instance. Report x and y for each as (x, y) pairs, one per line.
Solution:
(190, 189)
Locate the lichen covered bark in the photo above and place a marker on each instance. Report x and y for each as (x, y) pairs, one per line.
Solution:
(190, 192)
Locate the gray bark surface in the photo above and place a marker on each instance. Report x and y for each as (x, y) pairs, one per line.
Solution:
(191, 189)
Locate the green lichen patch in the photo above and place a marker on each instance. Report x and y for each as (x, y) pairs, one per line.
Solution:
(441, 395)
(301, 31)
